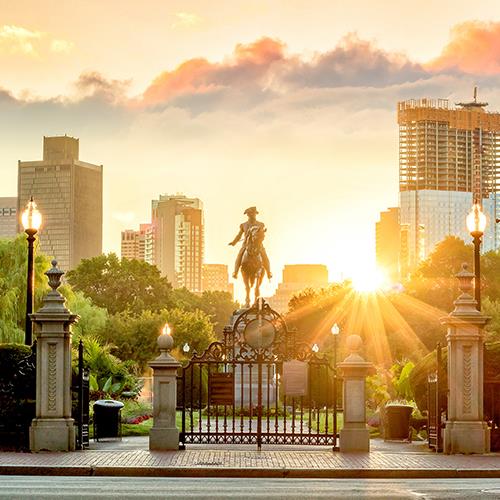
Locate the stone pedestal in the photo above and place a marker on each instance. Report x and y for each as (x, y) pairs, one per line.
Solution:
(355, 435)
(53, 428)
(164, 434)
(465, 430)
(246, 384)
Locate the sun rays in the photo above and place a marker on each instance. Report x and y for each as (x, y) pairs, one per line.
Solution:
(380, 317)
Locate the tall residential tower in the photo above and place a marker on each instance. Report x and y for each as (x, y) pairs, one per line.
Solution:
(68, 193)
(178, 229)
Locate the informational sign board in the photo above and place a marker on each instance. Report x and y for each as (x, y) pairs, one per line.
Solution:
(295, 378)
(221, 388)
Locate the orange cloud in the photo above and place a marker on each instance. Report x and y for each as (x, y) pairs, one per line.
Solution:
(195, 76)
(474, 48)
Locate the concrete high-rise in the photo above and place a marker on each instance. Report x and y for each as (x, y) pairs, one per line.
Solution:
(68, 193)
(138, 244)
(297, 277)
(388, 243)
(449, 157)
(178, 229)
(215, 277)
(8, 217)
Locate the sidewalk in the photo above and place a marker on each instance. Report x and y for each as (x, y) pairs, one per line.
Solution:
(130, 458)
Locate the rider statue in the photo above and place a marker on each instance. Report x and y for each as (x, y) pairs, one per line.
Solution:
(246, 229)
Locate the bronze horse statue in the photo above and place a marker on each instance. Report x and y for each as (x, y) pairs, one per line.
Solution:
(252, 267)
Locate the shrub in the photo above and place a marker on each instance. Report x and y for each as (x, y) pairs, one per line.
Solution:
(17, 394)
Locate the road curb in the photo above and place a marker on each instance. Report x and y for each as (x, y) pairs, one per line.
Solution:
(29, 470)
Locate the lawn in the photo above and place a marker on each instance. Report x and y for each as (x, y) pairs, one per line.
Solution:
(322, 422)
(143, 428)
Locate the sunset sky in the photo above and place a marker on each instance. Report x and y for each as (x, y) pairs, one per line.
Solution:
(288, 105)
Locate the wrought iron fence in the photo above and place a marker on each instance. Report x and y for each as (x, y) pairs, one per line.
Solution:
(436, 404)
(259, 386)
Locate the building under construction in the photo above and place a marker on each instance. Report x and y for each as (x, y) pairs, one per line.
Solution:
(449, 157)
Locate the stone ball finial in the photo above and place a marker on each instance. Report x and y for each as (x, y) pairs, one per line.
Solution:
(54, 274)
(354, 343)
(165, 340)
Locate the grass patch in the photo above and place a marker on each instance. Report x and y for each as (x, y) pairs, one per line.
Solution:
(141, 429)
(322, 421)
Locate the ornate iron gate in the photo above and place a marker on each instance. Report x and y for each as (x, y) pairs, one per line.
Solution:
(259, 386)
(436, 404)
(81, 404)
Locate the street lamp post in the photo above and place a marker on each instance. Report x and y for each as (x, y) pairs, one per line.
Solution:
(32, 220)
(335, 332)
(476, 224)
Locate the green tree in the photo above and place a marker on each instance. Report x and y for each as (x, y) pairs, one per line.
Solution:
(13, 279)
(446, 259)
(121, 285)
(490, 271)
(92, 318)
(134, 337)
(218, 305)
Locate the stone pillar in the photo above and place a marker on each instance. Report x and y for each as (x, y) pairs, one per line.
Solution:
(355, 435)
(164, 434)
(53, 428)
(465, 431)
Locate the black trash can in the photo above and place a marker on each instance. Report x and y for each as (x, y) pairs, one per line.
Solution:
(107, 419)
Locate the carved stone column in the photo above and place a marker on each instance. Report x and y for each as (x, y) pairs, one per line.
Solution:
(164, 434)
(355, 435)
(53, 428)
(465, 431)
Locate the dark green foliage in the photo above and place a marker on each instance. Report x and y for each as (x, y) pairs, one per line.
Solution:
(419, 374)
(13, 272)
(109, 376)
(135, 337)
(219, 306)
(121, 285)
(17, 394)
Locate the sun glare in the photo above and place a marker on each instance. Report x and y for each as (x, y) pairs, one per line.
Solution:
(368, 280)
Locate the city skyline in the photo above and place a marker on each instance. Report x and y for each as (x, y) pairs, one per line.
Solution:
(311, 116)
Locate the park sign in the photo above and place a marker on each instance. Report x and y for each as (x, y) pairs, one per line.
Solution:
(221, 388)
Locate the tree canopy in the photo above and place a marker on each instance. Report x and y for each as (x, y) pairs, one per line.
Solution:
(121, 285)
(13, 284)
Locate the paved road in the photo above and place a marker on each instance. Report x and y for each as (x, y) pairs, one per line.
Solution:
(17, 487)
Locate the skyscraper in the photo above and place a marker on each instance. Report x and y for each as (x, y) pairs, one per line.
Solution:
(449, 157)
(68, 193)
(8, 217)
(388, 243)
(178, 229)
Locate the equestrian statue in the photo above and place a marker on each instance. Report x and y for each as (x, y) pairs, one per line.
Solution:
(252, 257)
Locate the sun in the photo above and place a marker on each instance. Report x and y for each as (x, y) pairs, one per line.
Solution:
(368, 280)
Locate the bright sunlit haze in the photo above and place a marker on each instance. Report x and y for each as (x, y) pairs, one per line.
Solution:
(240, 104)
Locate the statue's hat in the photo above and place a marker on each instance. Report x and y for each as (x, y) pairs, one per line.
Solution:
(251, 210)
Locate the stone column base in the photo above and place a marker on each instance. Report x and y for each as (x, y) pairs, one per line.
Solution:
(52, 434)
(466, 437)
(354, 440)
(163, 438)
